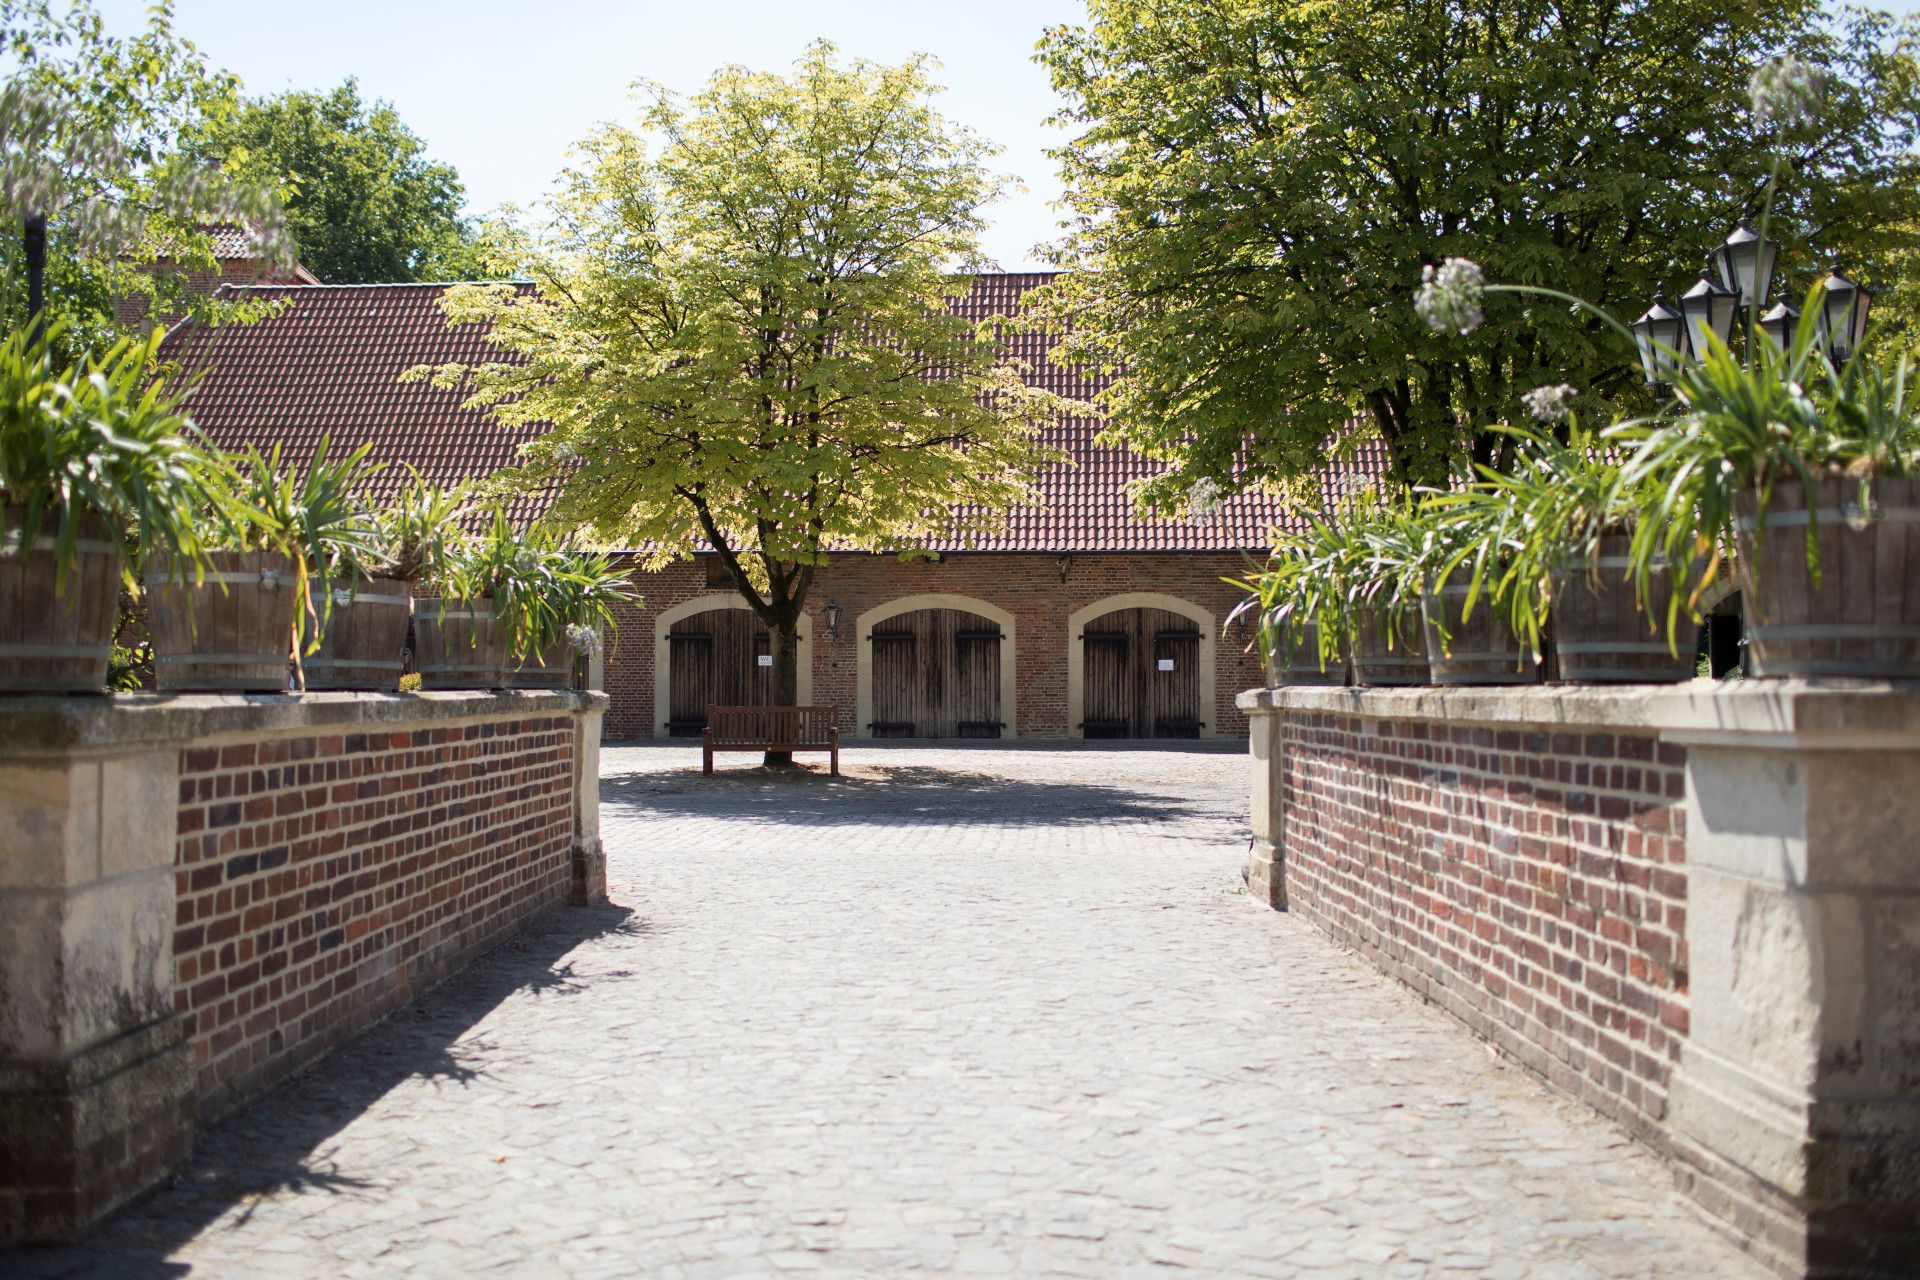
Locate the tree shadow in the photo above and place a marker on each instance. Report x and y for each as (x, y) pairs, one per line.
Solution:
(272, 1149)
(891, 795)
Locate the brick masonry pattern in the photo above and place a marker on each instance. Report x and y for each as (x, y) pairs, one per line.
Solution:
(326, 880)
(1030, 587)
(1532, 882)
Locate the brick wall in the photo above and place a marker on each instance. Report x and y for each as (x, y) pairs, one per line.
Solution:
(1533, 882)
(325, 878)
(1030, 587)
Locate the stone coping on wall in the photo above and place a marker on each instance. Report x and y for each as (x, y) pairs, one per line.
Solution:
(1806, 714)
(54, 724)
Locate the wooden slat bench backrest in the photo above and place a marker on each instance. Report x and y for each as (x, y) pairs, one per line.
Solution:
(791, 726)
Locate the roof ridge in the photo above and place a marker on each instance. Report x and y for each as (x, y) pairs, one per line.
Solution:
(445, 284)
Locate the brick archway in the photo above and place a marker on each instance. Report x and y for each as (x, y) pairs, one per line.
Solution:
(1076, 653)
(663, 623)
(1009, 651)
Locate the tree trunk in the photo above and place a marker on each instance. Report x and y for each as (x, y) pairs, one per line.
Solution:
(784, 641)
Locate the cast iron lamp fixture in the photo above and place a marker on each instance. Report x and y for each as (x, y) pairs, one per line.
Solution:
(1708, 308)
(1660, 334)
(1745, 266)
(1843, 318)
(832, 613)
(1779, 323)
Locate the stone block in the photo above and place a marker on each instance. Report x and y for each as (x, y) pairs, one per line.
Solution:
(82, 1136)
(589, 886)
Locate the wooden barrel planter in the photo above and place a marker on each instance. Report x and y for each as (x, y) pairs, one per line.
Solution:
(230, 632)
(1601, 635)
(1296, 660)
(53, 641)
(1479, 650)
(1862, 618)
(455, 646)
(1375, 662)
(551, 668)
(363, 635)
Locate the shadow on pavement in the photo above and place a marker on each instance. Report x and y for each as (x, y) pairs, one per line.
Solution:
(266, 1150)
(886, 795)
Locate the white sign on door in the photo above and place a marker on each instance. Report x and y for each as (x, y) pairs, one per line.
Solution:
(766, 659)
(1166, 664)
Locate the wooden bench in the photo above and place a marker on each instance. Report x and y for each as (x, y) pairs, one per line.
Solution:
(770, 729)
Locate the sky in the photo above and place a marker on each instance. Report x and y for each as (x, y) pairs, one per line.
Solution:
(500, 90)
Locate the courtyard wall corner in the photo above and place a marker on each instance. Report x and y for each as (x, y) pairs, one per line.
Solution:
(200, 896)
(1695, 907)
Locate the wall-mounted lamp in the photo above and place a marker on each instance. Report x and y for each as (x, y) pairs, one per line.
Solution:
(832, 612)
(1066, 566)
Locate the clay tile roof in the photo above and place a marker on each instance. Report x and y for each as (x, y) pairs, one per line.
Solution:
(330, 363)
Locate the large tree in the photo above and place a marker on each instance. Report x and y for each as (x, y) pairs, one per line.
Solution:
(743, 341)
(92, 130)
(363, 199)
(1255, 185)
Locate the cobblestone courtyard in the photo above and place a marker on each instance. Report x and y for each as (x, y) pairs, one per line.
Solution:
(962, 1012)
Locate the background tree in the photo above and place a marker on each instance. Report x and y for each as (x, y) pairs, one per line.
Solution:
(363, 200)
(1255, 185)
(742, 342)
(91, 128)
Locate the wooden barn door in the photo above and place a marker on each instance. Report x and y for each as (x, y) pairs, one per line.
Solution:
(713, 659)
(1140, 676)
(936, 674)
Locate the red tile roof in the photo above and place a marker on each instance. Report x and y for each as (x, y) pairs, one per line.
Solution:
(330, 364)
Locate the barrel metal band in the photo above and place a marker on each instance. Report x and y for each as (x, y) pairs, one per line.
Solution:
(1624, 646)
(335, 664)
(10, 544)
(1797, 519)
(55, 650)
(1835, 631)
(259, 659)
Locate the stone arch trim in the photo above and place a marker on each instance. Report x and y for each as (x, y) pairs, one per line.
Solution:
(1009, 652)
(662, 654)
(1077, 660)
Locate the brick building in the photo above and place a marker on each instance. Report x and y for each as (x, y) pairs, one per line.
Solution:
(1079, 618)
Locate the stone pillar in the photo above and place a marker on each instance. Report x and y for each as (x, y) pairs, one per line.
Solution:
(1266, 857)
(96, 1077)
(589, 859)
(1796, 1103)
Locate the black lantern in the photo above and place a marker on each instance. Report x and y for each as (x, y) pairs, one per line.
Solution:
(1660, 335)
(1843, 316)
(1708, 308)
(832, 612)
(1779, 323)
(1745, 265)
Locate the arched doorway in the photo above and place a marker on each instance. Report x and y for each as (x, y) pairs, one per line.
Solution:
(714, 651)
(1140, 665)
(936, 666)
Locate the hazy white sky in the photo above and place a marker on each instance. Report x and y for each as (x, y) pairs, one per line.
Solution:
(500, 89)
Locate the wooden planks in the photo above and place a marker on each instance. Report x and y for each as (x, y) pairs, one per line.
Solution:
(1141, 676)
(713, 660)
(936, 674)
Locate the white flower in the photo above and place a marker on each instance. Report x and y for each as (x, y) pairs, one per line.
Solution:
(1549, 404)
(1786, 93)
(1203, 498)
(583, 638)
(1450, 295)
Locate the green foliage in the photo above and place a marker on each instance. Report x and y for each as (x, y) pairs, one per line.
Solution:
(742, 341)
(1742, 426)
(90, 133)
(419, 528)
(98, 448)
(363, 200)
(1252, 183)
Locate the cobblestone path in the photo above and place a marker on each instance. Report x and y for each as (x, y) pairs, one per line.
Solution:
(985, 1012)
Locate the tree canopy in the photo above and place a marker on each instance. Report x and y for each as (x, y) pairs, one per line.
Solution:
(364, 201)
(91, 133)
(742, 341)
(1255, 185)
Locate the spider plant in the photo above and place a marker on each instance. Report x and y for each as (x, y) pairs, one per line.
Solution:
(419, 529)
(1299, 594)
(100, 448)
(315, 516)
(1739, 428)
